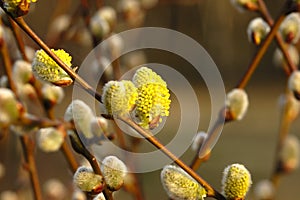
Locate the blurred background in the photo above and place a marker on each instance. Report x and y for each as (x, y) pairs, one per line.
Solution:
(221, 30)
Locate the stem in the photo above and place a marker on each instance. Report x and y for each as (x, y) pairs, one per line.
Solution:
(31, 120)
(116, 65)
(7, 65)
(28, 148)
(197, 161)
(19, 40)
(211, 192)
(266, 15)
(285, 124)
(261, 51)
(69, 156)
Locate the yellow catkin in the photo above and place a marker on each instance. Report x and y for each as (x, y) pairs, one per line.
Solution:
(153, 98)
(153, 101)
(44, 67)
(145, 75)
(119, 97)
(13, 6)
(179, 185)
(236, 181)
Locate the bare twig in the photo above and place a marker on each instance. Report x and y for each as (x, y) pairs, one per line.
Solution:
(286, 121)
(7, 65)
(28, 148)
(19, 40)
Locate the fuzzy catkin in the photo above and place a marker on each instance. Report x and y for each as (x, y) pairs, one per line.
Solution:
(45, 68)
(179, 185)
(236, 181)
(86, 180)
(114, 172)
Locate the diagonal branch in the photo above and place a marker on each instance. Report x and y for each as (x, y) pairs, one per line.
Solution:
(211, 192)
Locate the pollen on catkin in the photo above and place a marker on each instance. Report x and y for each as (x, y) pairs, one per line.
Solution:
(236, 181)
(153, 98)
(179, 185)
(237, 103)
(114, 172)
(119, 97)
(153, 102)
(86, 180)
(45, 68)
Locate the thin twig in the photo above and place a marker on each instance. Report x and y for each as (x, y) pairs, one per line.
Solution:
(252, 67)
(285, 123)
(68, 154)
(28, 148)
(31, 120)
(7, 65)
(211, 192)
(19, 40)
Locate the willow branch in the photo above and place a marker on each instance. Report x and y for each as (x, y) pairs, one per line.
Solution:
(28, 148)
(266, 15)
(287, 117)
(211, 192)
(20, 21)
(7, 64)
(261, 51)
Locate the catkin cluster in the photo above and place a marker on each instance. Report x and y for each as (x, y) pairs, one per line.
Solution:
(145, 98)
